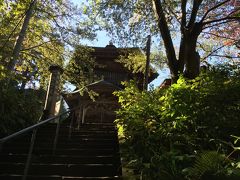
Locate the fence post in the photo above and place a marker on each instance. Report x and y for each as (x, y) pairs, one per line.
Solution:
(56, 135)
(1, 145)
(29, 157)
(71, 125)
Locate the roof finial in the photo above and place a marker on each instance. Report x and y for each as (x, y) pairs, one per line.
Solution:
(110, 45)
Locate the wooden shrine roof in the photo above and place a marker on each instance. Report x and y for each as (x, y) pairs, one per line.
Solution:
(108, 55)
(103, 88)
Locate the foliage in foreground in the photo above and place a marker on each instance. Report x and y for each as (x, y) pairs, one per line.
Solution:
(163, 131)
(18, 108)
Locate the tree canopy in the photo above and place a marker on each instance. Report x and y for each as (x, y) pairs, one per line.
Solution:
(35, 34)
(182, 25)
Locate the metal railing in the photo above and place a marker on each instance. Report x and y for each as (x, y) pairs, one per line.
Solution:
(34, 129)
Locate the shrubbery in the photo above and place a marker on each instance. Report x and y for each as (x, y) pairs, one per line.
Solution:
(18, 108)
(165, 130)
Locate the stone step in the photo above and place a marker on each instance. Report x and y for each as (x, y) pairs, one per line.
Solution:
(97, 133)
(66, 144)
(75, 135)
(62, 151)
(75, 140)
(60, 159)
(65, 129)
(32, 177)
(88, 125)
(94, 170)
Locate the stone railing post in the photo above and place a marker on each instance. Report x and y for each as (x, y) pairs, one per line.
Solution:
(53, 93)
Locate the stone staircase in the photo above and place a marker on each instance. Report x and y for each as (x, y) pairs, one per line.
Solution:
(90, 153)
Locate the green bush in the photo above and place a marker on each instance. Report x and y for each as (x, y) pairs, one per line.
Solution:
(163, 130)
(18, 108)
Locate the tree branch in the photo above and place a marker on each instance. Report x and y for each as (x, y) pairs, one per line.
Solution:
(194, 12)
(166, 36)
(174, 14)
(219, 36)
(210, 54)
(47, 60)
(14, 29)
(183, 19)
(226, 56)
(221, 19)
(201, 46)
(21, 36)
(236, 10)
(27, 49)
(217, 24)
(181, 53)
(211, 9)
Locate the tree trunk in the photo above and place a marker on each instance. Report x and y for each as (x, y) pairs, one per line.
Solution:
(192, 61)
(188, 54)
(181, 55)
(145, 80)
(22, 34)
(167, 40)
(189, 59)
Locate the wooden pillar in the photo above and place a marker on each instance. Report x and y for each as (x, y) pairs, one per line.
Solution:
(79, 116)
(53, 93)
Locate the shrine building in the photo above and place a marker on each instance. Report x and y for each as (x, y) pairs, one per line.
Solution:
(111, 73)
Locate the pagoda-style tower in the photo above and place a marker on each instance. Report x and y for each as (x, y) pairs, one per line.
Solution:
(102, 110)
